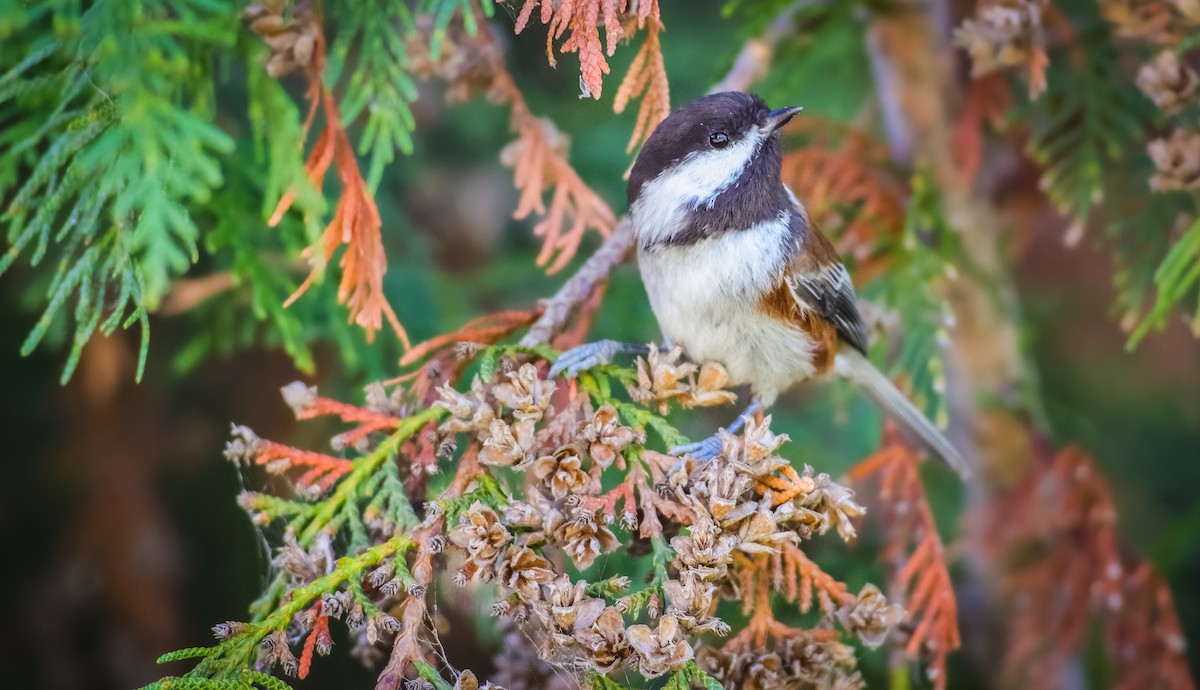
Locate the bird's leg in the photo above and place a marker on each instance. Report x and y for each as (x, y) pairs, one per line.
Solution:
(589, 355)
(710, 447)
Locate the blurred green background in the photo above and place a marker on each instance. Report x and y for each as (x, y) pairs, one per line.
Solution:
(118, 525)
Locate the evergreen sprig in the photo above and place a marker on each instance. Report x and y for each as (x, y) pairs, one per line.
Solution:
(1089, 121)
(111, 123)
(1177, 277)
(229, 663)
(378, 86)
(366, 485)
(1089, 134)
(114, 164)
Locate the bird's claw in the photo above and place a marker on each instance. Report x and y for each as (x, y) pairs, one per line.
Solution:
(706, 449)
(584, 357)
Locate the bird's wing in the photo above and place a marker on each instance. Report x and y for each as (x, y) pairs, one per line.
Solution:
(823, 303)
(819, 285)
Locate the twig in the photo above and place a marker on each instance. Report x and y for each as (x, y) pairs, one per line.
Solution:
(188, 293)
(755, 57)
(558, 309)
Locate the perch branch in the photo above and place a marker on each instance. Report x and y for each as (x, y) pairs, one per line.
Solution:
(558, 309)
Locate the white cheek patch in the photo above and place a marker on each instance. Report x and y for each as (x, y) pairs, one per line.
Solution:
(704, 174)
(697, 179)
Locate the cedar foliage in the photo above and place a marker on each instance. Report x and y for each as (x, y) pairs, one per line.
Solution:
(127, 190)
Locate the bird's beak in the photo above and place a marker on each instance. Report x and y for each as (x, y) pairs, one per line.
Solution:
(779, 118)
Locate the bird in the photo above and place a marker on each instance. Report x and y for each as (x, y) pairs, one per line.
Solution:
(737, 272)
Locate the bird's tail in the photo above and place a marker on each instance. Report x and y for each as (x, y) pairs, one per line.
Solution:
(853, 365)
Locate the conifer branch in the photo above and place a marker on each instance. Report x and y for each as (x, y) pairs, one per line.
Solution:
(983, 354)
(580, 20)
(517, 526)
(538, 156)
(647, 79)
(356, 222)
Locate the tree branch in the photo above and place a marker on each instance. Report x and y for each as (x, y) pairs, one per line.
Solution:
(914, 72)
(557, 310)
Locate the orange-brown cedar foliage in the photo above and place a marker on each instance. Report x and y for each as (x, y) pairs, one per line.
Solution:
(1057, 529)
(915, 551)
(799, 578)
(538, 156)
(580, 20)
(356, 222)
(647, 79)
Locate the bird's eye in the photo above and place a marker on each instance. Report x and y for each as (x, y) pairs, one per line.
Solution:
(719, 140)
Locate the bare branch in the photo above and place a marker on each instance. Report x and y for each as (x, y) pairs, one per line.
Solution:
(557, 310)
(755, 57)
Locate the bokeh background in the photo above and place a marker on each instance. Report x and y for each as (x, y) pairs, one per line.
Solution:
(119, 534)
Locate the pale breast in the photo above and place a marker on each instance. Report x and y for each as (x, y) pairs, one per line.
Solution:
(706, 294)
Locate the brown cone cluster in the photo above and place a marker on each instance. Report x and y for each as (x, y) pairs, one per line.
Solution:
(1177, 159)
(711, 524)
(1156, 21)
(1004, 34)
(292, 37)
(1168, 82)
(810, 660)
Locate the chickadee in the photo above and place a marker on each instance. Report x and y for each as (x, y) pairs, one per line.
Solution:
(735, 270)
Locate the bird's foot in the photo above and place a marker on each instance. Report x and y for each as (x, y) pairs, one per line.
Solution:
(712, 446)
(589, 355)
(706, 449)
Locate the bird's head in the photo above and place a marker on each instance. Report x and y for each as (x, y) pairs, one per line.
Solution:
(708, 144)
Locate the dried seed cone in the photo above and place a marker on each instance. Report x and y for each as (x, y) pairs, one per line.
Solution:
(755, 670)
(1178, 161)
(505, 445)
(584, 540)
(871, 617)
(562, 473)
(293, 43)
(566, 605)
(1149, 20)
(526, 393)
(1168, 82)
(660, 649)
(661, 377)
(816, 659)
(523, 571)
(605, 641)
(1004, 34)
(481, 535)
(708, 389)
(606, 437)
